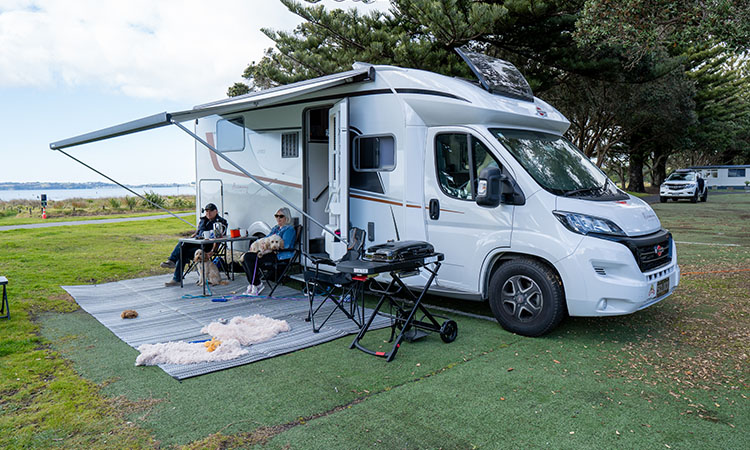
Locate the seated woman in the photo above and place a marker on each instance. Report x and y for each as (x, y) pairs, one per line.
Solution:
(285, 230)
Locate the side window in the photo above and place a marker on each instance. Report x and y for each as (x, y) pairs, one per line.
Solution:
(230, 134)
(452, 157)
(374, 153)
(460, 159)
(482, 157)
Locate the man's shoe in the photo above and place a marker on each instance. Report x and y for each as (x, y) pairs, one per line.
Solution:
(172, 283)
(251, 290)
(260, 289)
(168, 264)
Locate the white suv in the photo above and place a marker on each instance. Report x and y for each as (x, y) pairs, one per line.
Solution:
(686, 184)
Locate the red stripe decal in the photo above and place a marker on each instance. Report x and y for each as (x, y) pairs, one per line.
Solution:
(215, 163)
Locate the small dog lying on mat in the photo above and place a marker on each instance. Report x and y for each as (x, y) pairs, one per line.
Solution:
(213, 277)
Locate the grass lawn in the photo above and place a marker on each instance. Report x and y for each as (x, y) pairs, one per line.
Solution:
(672, 376)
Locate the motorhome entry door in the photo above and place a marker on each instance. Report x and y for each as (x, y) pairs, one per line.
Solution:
(210, 190)
(338, 178)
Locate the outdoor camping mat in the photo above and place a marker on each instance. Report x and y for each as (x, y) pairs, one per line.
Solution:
(164, 315)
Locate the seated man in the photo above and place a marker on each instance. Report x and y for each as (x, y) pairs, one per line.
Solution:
(188, 250)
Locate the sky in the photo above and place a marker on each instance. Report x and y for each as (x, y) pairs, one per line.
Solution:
(68, 67)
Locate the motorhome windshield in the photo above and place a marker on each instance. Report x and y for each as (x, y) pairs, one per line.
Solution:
(682, 176)
(557, 165)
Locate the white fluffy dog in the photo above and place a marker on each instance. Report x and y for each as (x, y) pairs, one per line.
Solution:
(267, 244)
(213, 277)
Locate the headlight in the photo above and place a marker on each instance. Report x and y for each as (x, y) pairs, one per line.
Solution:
(584, 224)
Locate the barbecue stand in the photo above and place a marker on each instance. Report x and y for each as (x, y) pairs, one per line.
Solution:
(405, 317)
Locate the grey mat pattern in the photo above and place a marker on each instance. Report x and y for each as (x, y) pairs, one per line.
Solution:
(164, 315)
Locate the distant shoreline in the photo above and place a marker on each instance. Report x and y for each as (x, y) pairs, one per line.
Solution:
(30, 186)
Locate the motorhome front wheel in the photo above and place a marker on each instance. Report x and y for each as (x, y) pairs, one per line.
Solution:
(526, 297)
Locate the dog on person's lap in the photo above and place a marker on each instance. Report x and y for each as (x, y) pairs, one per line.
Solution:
(266, 245)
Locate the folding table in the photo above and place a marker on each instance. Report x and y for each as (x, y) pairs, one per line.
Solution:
(222, 244)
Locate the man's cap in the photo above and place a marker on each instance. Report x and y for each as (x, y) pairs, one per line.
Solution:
(210, 207)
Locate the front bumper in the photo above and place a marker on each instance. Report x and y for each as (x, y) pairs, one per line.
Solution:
(602, 278)
(687, 192)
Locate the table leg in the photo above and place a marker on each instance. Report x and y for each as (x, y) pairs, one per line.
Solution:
(182, 266)
(231, 265)
(203, 266)
(5, 308)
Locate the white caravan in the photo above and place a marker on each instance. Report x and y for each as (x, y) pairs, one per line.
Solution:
(480, 170)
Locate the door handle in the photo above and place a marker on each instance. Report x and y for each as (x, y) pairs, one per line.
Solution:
(434, 209)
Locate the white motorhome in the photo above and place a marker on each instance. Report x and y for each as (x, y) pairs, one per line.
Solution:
(480, 170)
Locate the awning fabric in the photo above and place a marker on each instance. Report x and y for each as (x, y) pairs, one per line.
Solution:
(222, 107)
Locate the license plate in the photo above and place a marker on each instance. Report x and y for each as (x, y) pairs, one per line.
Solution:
(662, 287)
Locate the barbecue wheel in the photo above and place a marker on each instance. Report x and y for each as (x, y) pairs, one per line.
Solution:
(448, 331)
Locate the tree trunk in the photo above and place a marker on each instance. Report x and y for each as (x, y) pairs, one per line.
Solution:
(635, 172)
(660, 169)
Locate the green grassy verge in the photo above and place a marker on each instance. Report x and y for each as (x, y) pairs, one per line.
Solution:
(8, 221)
(672, 376)
(19, 212)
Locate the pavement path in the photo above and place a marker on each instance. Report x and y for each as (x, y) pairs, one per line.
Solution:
(88, 222)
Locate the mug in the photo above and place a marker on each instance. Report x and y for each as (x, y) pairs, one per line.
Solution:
(234, 232)
(207, 234)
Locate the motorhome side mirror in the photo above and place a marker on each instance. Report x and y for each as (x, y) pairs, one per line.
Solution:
(489, 187)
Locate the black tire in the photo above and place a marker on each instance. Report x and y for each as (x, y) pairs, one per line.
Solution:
(448, 331)
(663, 199)
(704, 197)
(694, 198)
(527, 297)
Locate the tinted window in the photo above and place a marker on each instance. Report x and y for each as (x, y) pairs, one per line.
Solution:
(557, 165)
(736, 172)
(460, 159)
(230, 135)
(682, 176)
(374, 153)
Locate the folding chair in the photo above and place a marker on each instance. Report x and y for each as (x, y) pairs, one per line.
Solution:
(340, 288)
(273, 272)
(5, 308)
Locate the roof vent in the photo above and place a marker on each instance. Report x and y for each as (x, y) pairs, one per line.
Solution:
(496, 75)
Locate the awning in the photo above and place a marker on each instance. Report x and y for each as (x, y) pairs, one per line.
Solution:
(222, 107)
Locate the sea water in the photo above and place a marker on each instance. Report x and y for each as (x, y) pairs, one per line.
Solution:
(100, 192)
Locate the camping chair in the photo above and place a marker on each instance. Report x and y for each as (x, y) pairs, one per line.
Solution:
(273, 272)
(340, 288)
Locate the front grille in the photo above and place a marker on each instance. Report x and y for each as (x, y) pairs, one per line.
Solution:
(649, 258)
(647, 249)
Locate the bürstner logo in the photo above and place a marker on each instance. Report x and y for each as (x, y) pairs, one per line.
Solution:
(659, 250)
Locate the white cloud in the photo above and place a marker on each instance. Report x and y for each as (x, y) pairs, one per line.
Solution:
(188, 50)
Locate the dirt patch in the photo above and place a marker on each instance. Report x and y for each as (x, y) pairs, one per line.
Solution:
(65, 297)
(702, 339)
(127, 407)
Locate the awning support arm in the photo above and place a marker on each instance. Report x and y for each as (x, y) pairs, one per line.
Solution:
(262, 184)
(125, 187)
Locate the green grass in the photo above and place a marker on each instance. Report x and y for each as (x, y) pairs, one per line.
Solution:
(675, 374)
(20, 212)
(8, 221)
